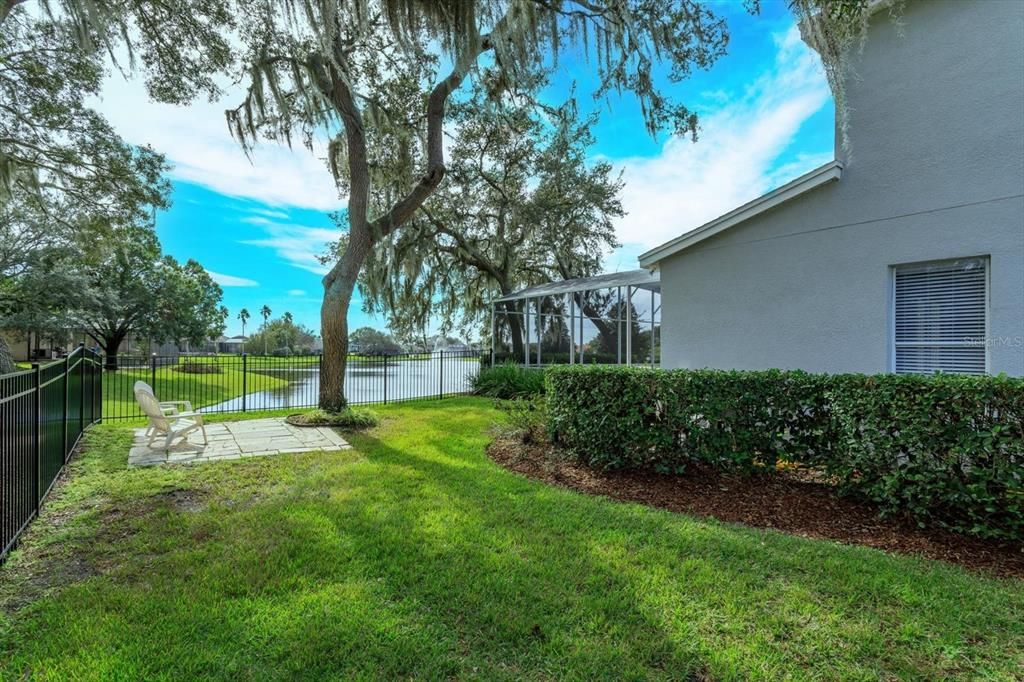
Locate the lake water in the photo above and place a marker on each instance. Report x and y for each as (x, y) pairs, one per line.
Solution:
(366, 381)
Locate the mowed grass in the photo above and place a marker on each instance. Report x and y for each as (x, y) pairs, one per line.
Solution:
(414, 556)
(172, 384)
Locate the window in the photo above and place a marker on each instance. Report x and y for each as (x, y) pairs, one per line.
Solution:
(940, 317)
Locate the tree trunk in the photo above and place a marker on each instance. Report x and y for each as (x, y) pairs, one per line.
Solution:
(515, 330)
(6, 360)
(340, 282)
(606, 329)
(339, 286)
(111, 345)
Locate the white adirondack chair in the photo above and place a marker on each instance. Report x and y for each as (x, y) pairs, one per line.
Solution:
(171, 406)
(171, 425)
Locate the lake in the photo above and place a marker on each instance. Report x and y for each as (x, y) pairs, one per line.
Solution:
(367, 380)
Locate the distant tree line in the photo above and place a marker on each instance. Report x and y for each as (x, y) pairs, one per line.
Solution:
(369, 341)
(281, 337)
(78, 251)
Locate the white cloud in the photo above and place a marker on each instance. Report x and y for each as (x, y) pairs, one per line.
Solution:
(296, 292)
(256, 220)
(734, 160)
(197, 141)
(231, 280)
(298, 245)
(271, 213)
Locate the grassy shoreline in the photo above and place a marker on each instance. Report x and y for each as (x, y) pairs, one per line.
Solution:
(202, 389)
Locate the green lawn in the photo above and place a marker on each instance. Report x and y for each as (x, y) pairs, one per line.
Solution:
(201, 389)
(415, 556)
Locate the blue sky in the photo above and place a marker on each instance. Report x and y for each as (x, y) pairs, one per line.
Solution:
(766, 117)
(249, 248)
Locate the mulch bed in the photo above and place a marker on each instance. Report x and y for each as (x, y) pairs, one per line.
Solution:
(789, 501)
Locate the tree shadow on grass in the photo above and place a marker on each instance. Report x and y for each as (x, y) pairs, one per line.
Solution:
(627, 586)
(425, 559)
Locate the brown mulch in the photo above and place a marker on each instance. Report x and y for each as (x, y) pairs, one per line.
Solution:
(791, 501)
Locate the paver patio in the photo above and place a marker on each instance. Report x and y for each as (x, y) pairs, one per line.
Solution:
(234, 440)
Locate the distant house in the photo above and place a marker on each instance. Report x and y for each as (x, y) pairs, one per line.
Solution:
(231, 344)
(906, 255)
(33, 346)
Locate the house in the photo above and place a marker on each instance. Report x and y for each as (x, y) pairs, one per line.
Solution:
(904, 255)
(232, 344)
(31, 346)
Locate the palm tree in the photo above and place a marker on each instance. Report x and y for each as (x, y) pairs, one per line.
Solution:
(244, 317)
(287, 317)
(265, 313)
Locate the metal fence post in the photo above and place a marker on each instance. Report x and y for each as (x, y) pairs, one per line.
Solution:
(244, 389)
(494, 332)
(152, 372)
(440, 383)
(385, 379)
(97, 387)
(81, 388)
(37, 383)
(64, 411)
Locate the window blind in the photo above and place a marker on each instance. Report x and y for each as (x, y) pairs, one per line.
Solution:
(940, 317)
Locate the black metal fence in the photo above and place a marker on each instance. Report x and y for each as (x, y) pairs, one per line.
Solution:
(43, 412)
(45, 409)
(247, 383)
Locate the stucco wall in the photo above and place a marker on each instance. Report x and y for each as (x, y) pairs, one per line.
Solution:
(936, 171)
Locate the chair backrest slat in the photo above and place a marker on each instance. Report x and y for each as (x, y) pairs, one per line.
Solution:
(151, 408)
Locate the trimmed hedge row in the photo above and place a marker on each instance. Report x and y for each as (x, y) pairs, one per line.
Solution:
(945, 450)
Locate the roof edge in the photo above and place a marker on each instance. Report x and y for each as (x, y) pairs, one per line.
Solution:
(873, 8)
(830, 172)
(636, 278)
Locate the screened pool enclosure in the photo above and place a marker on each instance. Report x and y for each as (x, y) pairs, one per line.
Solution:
(608, 319)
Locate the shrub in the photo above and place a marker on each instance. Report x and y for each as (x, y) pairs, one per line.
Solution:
(349, 418)
(507, 381)
(560, 358)
(281, 352)
(640, 417)
(527, 418)
(944, 450)
(198, 368)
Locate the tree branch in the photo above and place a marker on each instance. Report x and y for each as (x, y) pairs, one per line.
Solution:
(7, 7)
(404, 209)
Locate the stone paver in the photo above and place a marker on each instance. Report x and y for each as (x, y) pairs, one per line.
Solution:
(236, 440)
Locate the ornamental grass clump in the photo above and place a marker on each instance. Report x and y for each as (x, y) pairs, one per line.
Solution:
(527, 419)
(508, 381)
(348, 418)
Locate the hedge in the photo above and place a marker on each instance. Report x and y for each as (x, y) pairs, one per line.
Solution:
(944, 450)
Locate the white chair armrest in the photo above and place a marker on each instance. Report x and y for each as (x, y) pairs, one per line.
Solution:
(197, 416)
(174, 403)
